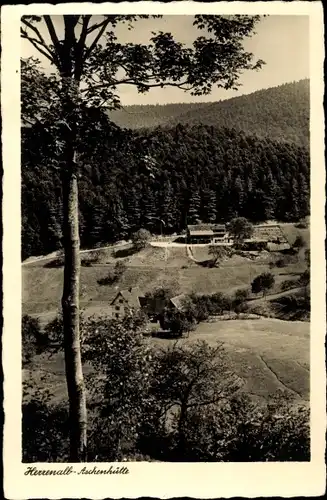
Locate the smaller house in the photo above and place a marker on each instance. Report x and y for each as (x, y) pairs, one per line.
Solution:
(206, 233)
(178, 302)
(125, 302)
(153, 307)
(278, 247)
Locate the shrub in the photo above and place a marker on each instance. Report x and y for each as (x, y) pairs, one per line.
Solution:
(263, 283)
(86, 263)
(304, 279)
(302, 224)
(119, 269)
(298, 243)
(107, 280)
(44, 429)
(281, 263)
(115, 275)
(289, 284)
(140, 239)
(33, 340)
(307, 257)
(59, 262)
(240, 431)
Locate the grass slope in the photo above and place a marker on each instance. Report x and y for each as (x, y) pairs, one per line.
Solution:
(269, 356)
(152, 267)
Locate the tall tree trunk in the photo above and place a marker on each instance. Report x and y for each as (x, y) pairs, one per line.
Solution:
(70, 310)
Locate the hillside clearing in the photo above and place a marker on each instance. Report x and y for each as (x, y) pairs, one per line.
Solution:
(269, 356)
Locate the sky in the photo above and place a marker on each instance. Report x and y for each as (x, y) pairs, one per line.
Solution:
(281, 41)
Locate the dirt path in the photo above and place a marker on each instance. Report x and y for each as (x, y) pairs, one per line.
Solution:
(35, 260)
(276, 295)
(277, 379)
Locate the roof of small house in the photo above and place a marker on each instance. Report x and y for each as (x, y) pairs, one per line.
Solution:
(255, 240)
(205, 229)
(131, 296)
(200, 232)
(178, 301)
(276, 247)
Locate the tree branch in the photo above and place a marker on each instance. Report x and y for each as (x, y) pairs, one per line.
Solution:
(133, 82)
(103, 25)
(80, 47)
(36, 31)
(96, 26)
(36, 44)
(54, 39)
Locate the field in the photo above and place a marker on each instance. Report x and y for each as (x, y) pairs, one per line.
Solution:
(152, 267)
(269, 355)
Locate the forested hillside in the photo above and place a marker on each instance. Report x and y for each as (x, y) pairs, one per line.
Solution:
(179, 174)
(281, 113)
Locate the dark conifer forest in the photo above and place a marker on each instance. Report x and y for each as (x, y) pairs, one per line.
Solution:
(179, 173)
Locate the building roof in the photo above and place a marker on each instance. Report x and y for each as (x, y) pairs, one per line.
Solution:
(131, 296)
(206, 227)
(275, 247)
(209, 232)
(255, 240)
(178, 301)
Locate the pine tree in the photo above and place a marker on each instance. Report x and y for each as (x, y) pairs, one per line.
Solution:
(209, 208)
(97, 222)
(194, 207)
(133, 208)
(168, 209)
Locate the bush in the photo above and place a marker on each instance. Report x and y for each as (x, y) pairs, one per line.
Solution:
(119, 269)
(140, 239)
(33, 340)
(59, 262)
(44, 430)
(115, 275)
(263, 283)
(281, 263)
(240, 431)
(302, 224)
(304, 279)
(298, 243)
(288, 285)
(86, 263)
(307, 257)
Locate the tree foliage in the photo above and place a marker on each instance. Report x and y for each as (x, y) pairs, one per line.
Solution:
(218, 252)
(240, 229)
(263, 283)
(175, 404)
(140, 239)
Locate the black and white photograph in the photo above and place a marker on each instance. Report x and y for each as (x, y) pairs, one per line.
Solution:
(166, 236)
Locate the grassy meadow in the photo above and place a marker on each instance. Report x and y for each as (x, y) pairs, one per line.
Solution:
(268, 354)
